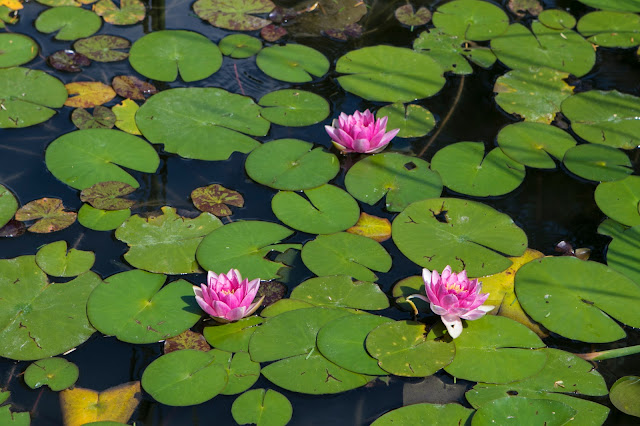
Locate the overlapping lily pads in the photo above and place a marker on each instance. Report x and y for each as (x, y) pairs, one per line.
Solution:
(535, 144)
(233, 337)
(101, 220)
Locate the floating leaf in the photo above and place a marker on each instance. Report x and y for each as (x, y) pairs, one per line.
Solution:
(407, 287)
(28, 96)
(294, 63)
(464, 234)
(68, 60)
(89, 94)
(105, 195)
(619, 5)
(12, 4)
(401, 178)
(8, 205)
(130, 11)
(82, 406)
(243, 246)
(57, 373)
(471, 19)
(448, 414)
(55, 260)
(131, 87)
(557, 19)
(134, 307)
(214, 199)
(186, 340)
(11, 418)
(611, 29)
(322, 210)
(240, 46)
(101, 220)
(291, 164)
(625, 394)
(262, 407)
(389, 74)
(520, 410)
(102, 118)
(165, 243)
(70, 22)
(125, 113)
(242, 372)
(408, 16)
(49, 214)
(598, 162)
(58, 3)
(340, 291)
(203, 123)
(16, 49)
(623, 253)
(522, 7)
(161, 54)
(103, 48)
(548, 287)
(272, 292)
(533, 94)
(237, 15)
(233, 337)
(348, 254)
(13, 228)
(412, 120)
(535, 144)
(376, 228)
(328, 17)
(619, 200)
(293, 108)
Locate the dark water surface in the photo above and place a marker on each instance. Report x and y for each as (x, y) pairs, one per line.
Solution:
(550, 206)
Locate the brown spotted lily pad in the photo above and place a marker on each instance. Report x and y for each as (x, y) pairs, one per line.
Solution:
(521, 7)
(272, 32)
(238, 15)
(131, 87)
(408, 16)
(214, 199)
(186, 340)
(102, 118)
(374, 227)
(49, 214)
(89, 94)
(105, 195)
(272, 291)
(130, 11)
(103, 48)
(68, 60)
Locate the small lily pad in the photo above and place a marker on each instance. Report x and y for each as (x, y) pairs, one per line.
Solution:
(68, 60)
(522, 7)
(471, 19)
(598, 162)
(56, 260)
(49, 214)
(105, 195)
(102, 118)
(412, 120)
(625, 395)
(103, 48)
(262, 408)
(611, 29)
(273, 33)
(214, 199)
(619, 200)
(408, 16)
(237, 15)
(242, 373)
(131, 87)
(294, 108)
(407, 287)
(57, 373)
(240, 46)
(535, 144)
(374, 227)
(89, 94)
(16, 49)
(69, 22)
(8, 205)
(125, 113)
(557, 19)
(340, 291)
(294, 63)
(129, 13)
(101, 220)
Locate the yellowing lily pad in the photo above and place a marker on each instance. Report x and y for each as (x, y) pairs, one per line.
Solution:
(125, 113)
(49, 213)
(374, 227)
(89, 94)
(214, 199)
(237, 15)
(130, 11)
(81, 406)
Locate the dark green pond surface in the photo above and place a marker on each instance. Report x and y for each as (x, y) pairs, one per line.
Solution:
(550, 206)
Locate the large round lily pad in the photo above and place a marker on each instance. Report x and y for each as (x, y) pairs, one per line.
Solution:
(28, 97)
(70, 22)
(134, 307)
(161, 55)
(237, 15)
(203, 123)
(471, 19)
(620, 199)
(85, 157)
(389, 74)
(464, 234)
(289, 107)
(16, 49)
(341, 291)
(535, 144)
(294, 63)
(39, 319)
(598, 162)
(548, 288)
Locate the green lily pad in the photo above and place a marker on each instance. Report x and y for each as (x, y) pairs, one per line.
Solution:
(494, 349)
(611, 29)
(103, 48)
(243, 246)
(70, 22)
(598, 162)
(401, 178)
(202, 123)
(464, 168)
(471, 19)
(160, 55)
(57, 373)
(132, 306)
(237, 15)
(294, 63)
(233, 337)
(618, 5)
(523, 411)
(165, 243)
(340, 291)
(129, 13)
(548, 287)
(85, 157)
(262, 408)
(557, 19)
(619, 200)
(284, 305)
(607, 118)
(412, 120)
(438, 415)
(186, 377)
(49, 214)
(623, 253)
(101, 220)
(4, 395)
(10, 418)
(464, 234)
(16, 49)
(102, 118)
(294, 108)
(533, 94)
(535, 144)
(341, 341)
(8, 205)
(105, 195)
(322, 210)
(407, 287)
(562, 50)
(55, 260)
(28, 97)
(345, 253)
(242, 374)
(291, 164)
(39, 319)
(625, 395)
(389, 74)
(402, 348)
(240, 46)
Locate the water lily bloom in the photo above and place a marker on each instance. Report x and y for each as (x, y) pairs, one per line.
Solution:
(226, 297)
(454, 297)
(360, 132)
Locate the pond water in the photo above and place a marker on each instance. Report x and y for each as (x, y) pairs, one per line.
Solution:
(549, 205)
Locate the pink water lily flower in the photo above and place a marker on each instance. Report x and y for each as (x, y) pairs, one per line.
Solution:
(226, 297)
(454, 297)
(360, 132)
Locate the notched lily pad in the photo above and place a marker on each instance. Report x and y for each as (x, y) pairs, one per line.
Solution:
(273, 33)
(237, 15)
(471, 19)
(412, 120)
(240, 46)
(56, 260)
(535, 144)
(111, 407)
(293, 108)
(103, 48)
(341, 291)
(557, 19)
(408, 16)
(130, 11)
(101, 220)
(49, 214)
(263, 408)
(102, 118)
(374, 227)
(57, 373)
(598, 162)
(611, 29)
(131, 87)
(69, 22)
(125, 113)
(214, 199)
(106, 195)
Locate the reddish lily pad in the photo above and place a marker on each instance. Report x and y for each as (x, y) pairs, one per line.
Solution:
(273, 33)
(89, 94)
(68, 60)
(214, 199)
(102, 118)
(13, 228)
(49, 214)
(105, 195)
(237, 15)
(130, 11)
(102, 48)
(131, 87)
(186, 340)
(412, 18)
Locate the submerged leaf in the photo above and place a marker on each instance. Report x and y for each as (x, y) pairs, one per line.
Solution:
(237, 15)
(131, 87)
(130, 11)
(408, 16)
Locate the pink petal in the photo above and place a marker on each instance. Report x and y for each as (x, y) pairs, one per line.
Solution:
(477, 313)
(236, 313)
(449, 302)
(426, 276)
(453, 325)
(438, 310)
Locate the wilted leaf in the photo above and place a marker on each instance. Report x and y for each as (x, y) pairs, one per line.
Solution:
(130, 12)
(186, 340)
(102, 48)
(131, 87)
(125, 113)
(68, 60)
(376, 228)
(102, 118)
(12, 4)
(90, 94)
(238, 15)
(408, 16)
(104, 195)
(116, 404)
(273, 33)
(521, 7)
(214, 199)
(49, 214)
